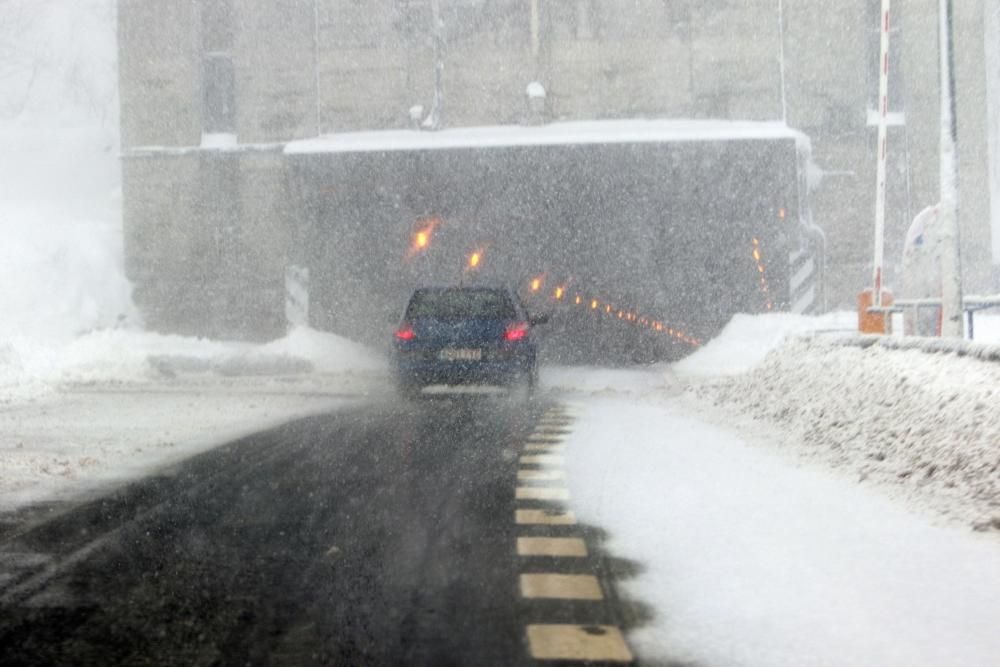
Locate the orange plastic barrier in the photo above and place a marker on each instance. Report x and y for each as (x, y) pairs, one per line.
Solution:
(874, 323)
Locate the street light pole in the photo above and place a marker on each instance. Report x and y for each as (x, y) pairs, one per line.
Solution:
(951, 260)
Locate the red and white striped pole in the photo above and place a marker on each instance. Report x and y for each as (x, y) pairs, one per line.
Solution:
(883, 111)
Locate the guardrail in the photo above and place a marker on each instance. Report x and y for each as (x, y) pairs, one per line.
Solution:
(971, 304)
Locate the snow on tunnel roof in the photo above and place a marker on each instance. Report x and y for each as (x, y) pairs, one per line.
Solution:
(578, 132)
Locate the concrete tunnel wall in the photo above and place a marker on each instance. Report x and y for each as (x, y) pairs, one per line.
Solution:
(663, 229)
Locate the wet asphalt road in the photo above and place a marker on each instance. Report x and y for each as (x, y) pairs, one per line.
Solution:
(376, 535)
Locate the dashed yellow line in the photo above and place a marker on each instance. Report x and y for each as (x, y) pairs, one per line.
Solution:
(543, 459)
(539, 447)
(541, 493)
(541, 475)
(543, 441)
(546, 517)
(561, 586)
(560, 547)
(592, 643)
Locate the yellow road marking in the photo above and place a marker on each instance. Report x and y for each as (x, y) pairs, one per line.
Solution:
(551, 517)
(595, 643)
(561, 586)
(541, 493)
(543, 459)
(571, 547)
(541, 475)
(539, 447)
(535, 437)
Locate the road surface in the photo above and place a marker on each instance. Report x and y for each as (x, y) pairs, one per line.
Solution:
(387, 533)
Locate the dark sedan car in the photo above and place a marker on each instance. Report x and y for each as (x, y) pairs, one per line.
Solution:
(465, 336)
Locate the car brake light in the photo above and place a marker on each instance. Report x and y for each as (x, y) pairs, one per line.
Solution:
(405, 332)
(516, 331)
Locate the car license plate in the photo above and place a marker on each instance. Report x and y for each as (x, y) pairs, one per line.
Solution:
(460, 354)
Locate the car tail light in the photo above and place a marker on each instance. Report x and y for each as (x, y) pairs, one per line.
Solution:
(516, 331)
(405, 332)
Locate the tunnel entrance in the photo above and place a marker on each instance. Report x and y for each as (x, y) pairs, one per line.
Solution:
(641, 238)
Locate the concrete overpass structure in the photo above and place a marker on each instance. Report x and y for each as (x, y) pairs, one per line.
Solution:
(216, 93)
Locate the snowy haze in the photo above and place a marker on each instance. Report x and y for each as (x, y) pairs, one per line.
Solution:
(60, 260)
(792, 501)
(992, 12)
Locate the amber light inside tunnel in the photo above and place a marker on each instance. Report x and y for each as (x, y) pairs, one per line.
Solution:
(636, 319)
(758, 257)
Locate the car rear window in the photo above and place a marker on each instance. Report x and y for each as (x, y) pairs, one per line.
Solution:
(460, 304)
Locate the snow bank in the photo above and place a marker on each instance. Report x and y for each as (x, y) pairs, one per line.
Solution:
(987, 324)
(923, 426)
(747, 339)
(59, 277)
(115, 356)
(326, 352)
(749, 561)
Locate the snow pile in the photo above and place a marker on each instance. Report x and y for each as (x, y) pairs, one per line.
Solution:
(115, 356)
(325, 352)
(748, 561)
(987, 325)
(747, 339)
(923, 425)
(59, 278)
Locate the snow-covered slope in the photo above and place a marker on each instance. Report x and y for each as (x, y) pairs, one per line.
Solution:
(922, 426)
(747, 339)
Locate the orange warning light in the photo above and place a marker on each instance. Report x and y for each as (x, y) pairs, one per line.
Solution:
(474, 259)
(559, 292)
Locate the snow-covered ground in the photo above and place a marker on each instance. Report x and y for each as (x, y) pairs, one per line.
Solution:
(728, 479)
(748, 560)
(115, 405)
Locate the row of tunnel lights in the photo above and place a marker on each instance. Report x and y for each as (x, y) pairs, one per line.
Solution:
(421, 241)
(600, 306)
